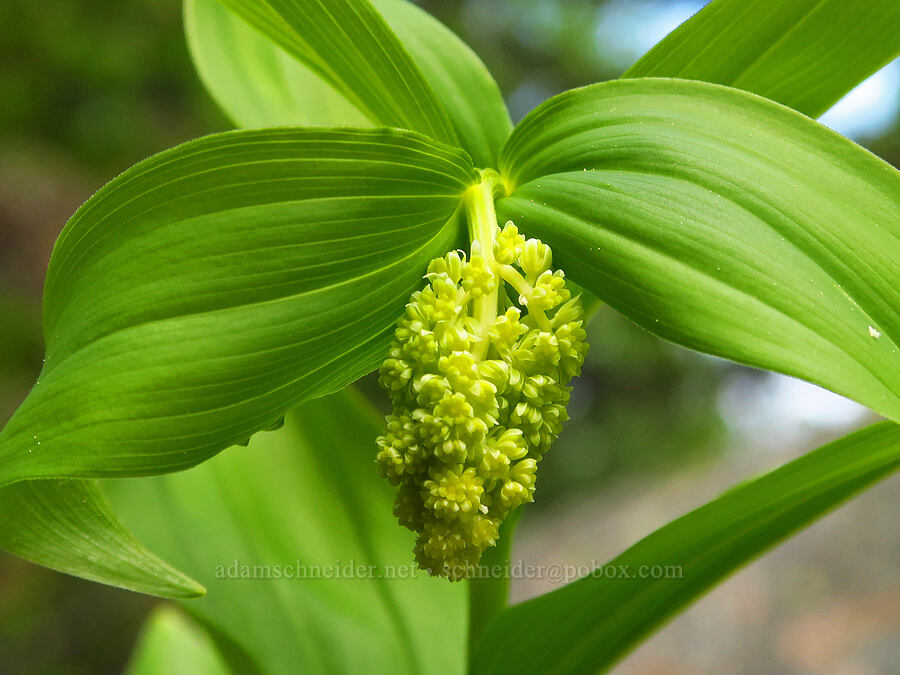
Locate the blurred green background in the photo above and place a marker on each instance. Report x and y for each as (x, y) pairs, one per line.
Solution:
(88, 88)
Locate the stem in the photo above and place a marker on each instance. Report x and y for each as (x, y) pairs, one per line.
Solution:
(482, 222)
(488, 595)
(509, 274)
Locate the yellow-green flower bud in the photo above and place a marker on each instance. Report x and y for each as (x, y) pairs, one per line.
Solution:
(453, 492)
(450, 265)
(509, 245)
(506, 330)
(477, 278)
(535, 259)
(549, 291)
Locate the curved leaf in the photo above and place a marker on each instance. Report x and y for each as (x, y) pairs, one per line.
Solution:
(305, 501)
(349, 45)
(253, 80)
(195, 298)
(171, 643)
(259, 84)
(460, 80)
(723, 222)
(67, 525)
(805, 54)
(587, 626)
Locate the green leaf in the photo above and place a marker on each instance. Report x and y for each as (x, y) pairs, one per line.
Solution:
(67, 525)
(256, 82)
(460, 80)
(195, 298)
(259, 84)
(171, 643)
(590, 624)
(805, 54)
(723, 222)
(305, 498)
(349, 45)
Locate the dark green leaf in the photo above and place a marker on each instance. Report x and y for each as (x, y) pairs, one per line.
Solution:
(195, 298)
(66, 525)
(305, 498)
(723, 222)
(587, 626)
(805, 54)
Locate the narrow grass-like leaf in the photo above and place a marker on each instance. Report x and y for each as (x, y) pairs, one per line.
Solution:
(587, 626)
(721, 221)
(67, 525)
(195, 298)
(304, 502)
(171, 643)
(805, 54)
(350, 46)
(260, 84)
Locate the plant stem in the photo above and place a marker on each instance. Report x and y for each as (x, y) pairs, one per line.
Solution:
(487, 595)
(489, 592)
(482, 222)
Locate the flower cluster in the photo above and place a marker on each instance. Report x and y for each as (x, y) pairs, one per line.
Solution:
(477, 372)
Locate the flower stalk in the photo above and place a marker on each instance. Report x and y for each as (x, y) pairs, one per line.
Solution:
(489, 591)
(478, 374)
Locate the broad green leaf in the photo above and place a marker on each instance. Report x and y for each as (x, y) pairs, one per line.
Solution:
(721, 221)
(200, 294)
(350, 46)
(306, 498)
(805, 54)
(171, 643)
(67, 525)
(259, 84)
(256, 82)
(587, 626)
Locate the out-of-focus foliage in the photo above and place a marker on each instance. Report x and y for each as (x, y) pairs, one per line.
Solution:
(534, 48)
(171, 642)
(87, 89)
(271, 531)
(53, 623)
(108, 83)
(640, 406)
(20, 347)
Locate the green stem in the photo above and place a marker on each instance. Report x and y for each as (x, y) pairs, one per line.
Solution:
(509, 274)
(482, 222)
(488, 595)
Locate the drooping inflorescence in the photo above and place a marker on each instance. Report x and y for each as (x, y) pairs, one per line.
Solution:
(478, 373)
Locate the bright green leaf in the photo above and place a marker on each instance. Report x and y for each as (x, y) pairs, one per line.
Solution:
(350, 46)
(195, 298)
(460, 80)
(805, 54)
(259, 84)
(308, 495)
(171, 643)
(255, 81)
(66, 525)
(723, 222)
(587, 626)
